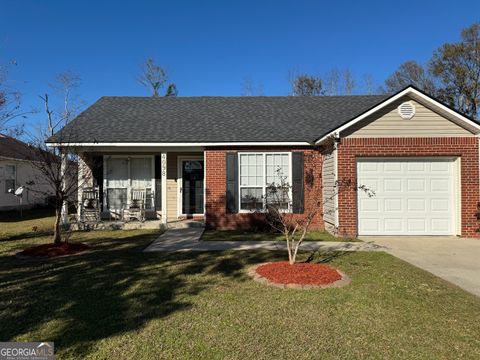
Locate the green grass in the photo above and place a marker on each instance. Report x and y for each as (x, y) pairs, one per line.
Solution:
(118, 302)
(236, 235)
(33, 223)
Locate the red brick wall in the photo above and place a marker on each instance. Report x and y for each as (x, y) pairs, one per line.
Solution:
(215, 185)
(464, 147)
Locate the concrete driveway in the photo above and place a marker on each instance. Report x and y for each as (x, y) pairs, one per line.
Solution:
(453, 259)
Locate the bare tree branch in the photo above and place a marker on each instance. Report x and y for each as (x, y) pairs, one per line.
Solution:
(152, 76)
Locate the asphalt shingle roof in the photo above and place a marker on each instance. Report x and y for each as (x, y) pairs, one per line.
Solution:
(214, 119)
(16, 149)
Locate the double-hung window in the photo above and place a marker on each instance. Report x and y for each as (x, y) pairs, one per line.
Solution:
(257, 173)
(10, 177)
(117, 183)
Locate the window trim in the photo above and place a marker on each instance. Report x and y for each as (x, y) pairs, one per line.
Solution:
(264, 186)
(14, 166)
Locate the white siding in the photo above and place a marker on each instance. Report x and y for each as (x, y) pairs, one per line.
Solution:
(37, 187)
(328, 178)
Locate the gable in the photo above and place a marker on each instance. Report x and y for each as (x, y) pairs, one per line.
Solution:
(387, 122)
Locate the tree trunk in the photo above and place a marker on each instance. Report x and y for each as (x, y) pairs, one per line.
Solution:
(57, 231)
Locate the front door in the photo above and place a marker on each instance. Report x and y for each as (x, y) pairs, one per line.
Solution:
(192, 187)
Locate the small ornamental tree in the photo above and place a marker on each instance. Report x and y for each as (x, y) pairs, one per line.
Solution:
(294, 227)
(58, 166)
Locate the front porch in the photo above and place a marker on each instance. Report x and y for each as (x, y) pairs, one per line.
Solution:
(168, 186)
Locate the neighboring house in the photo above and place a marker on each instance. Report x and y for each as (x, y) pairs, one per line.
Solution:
(213, 157)
(17, 170)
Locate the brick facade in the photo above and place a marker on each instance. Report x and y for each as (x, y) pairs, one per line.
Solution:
(464, 147)
(215, 187)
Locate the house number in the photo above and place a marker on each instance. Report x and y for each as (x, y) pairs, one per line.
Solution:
(164, 164)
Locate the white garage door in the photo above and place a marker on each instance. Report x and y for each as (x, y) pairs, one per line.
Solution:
(415, 196)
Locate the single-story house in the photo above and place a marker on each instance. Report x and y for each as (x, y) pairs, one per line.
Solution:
(213, 157)
(16, 170)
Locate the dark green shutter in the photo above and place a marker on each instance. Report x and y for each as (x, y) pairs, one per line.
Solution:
(232, 182)
(297, 183)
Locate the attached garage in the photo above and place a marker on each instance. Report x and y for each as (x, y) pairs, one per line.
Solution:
(421, 160)
(412, 196)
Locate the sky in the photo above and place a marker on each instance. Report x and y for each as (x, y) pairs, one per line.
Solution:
(210, 47)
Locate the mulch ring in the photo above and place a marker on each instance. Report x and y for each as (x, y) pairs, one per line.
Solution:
(53, 250)
(298, 276)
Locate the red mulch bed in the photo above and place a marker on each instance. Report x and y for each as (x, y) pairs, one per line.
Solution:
(52, 250)
(300, 273)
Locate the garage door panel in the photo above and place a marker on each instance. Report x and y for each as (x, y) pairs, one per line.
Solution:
(371, 184)
(370, 225)
(392, 185)
(415, 225)
(369, 204)
(416, 205)
(393, 224)
(412, 196)
(393, 204)
(416, 185)
(440, 225)
(440, 185)
(415, 166)
(369, 167)
(392, 167)
(442, 205)
(438, 166)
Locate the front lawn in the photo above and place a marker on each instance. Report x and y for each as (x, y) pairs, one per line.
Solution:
(118, 302)
(237, 235)
(32, 223)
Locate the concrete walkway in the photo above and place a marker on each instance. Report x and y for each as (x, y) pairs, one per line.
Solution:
(188, 239)
(451, 258)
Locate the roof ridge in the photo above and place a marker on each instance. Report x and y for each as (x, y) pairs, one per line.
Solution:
(240, 97)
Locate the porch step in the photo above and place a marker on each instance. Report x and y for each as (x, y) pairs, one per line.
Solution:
(185, 224)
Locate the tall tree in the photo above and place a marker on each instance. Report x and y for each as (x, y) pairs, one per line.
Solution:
(411, 73)
(250, 89)
(9, 103)
(68, 104)
(306, 85)
(457, 65)
(171, 90)
(66, 84)
(332, 80)
(58, 166)
(348, 82)
(152, 76)
(368, 83)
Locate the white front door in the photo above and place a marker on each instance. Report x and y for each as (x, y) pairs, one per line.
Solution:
(413, 196)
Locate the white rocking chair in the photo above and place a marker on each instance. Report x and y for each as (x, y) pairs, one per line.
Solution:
(136, 207)
(90, 205)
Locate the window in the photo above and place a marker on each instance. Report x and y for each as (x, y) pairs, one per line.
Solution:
(10, 177)
(258, 172)
(141, 175)
(125, 174)
(117, 183)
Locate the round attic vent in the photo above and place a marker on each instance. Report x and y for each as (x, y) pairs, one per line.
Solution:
(406, 110)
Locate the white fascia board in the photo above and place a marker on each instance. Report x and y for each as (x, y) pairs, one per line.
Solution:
(97, 144)
(408, 91)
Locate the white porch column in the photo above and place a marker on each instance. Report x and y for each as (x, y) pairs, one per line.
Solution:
(164, 187)
(63, 174)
